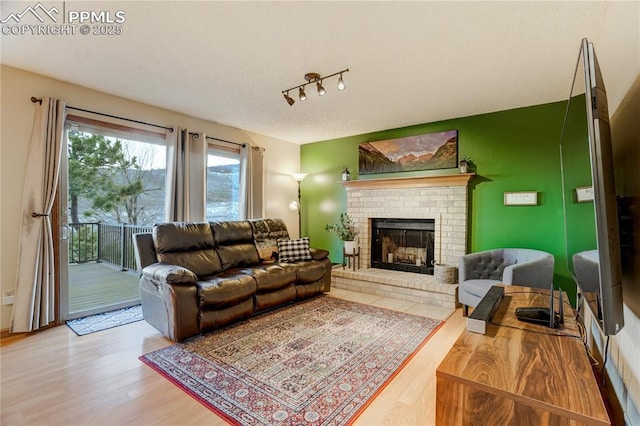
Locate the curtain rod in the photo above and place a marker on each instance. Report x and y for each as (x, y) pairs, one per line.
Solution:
(39, 100)
(218, 139)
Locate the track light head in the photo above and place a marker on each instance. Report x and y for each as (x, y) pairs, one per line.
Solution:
(341, 85)
(321, 90)
(301, 95)
(289, 99)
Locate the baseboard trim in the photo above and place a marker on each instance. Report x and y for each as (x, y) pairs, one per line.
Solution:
(5, 335)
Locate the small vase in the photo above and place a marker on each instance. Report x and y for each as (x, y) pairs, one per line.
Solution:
(346, 175)
(350, 247)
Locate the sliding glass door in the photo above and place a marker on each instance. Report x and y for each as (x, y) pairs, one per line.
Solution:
(111, 186)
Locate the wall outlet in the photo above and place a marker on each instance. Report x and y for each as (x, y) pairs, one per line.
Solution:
(8, 297)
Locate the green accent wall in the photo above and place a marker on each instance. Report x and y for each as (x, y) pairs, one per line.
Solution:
(513, 150)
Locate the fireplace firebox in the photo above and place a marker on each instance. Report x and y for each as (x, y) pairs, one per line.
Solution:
(403, 244)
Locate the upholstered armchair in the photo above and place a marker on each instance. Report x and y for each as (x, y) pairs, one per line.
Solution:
(479, 271)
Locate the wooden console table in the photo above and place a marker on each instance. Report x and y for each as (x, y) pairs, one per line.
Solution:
(519, 373)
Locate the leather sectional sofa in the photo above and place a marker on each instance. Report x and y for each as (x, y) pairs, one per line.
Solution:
(200, 276)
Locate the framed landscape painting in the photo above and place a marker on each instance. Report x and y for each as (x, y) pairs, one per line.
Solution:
(422, 152)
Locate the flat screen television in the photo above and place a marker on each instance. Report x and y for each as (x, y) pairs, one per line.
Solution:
(589, 197)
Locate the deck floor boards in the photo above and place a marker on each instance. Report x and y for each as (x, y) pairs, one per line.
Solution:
(94, 285)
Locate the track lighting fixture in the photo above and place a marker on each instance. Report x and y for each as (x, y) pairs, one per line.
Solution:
(311, 78)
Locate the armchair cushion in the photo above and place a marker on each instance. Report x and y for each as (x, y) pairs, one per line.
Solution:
(478, 288)
(484, 265)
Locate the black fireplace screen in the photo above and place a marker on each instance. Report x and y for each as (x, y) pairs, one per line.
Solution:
(403, 244)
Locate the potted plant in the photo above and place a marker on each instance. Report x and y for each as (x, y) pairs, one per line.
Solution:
(346, 230)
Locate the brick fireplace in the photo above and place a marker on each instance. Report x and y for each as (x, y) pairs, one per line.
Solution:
(442, 199)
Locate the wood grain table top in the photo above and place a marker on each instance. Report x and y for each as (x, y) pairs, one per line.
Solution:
(529, 363)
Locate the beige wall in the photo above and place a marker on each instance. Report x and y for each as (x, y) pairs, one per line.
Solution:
(16, 109)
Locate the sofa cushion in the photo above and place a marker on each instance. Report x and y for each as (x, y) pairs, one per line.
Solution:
(273, 276)
(234, 244)
(309, 271)
(275, 298)
(189, 245)
(225, 289)
(214, 318)
(294, 250)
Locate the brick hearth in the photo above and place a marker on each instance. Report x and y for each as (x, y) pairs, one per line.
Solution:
(417, 288)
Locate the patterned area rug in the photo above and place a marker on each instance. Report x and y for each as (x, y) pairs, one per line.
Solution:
(106, 320)
(320, 361)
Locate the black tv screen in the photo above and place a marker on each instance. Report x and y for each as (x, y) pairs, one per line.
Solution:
(590, 208)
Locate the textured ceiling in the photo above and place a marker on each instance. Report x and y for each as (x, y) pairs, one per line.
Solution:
(410, 62)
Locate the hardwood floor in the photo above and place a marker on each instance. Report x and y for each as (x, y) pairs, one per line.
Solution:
(55, 377)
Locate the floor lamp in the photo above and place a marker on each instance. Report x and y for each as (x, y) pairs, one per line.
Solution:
(299, 177)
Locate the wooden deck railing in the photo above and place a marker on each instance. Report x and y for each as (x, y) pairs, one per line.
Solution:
(103, 242)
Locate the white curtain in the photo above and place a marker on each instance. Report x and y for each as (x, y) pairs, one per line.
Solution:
(34, 305)
(251, 182)
(186, 179)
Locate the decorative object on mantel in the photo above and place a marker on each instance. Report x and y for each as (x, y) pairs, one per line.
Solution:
(521, 198)
(346, 230)
(445, 274)
(314, 77)
(466, 165)
(346, 175)
(412, 153)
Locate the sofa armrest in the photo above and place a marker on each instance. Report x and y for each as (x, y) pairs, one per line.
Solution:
(170, 274)
(318, 254)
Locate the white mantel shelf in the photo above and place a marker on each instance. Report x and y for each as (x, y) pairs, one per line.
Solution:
(460, 179)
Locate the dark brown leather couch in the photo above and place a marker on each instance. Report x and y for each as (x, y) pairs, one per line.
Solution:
(200, 276)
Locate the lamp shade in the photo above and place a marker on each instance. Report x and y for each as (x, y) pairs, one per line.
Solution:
(299, 177)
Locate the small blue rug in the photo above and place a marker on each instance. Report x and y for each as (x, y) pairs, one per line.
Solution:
(106, 320)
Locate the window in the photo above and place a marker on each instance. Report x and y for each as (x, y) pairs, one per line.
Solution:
(115, 176)
(223, 183)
